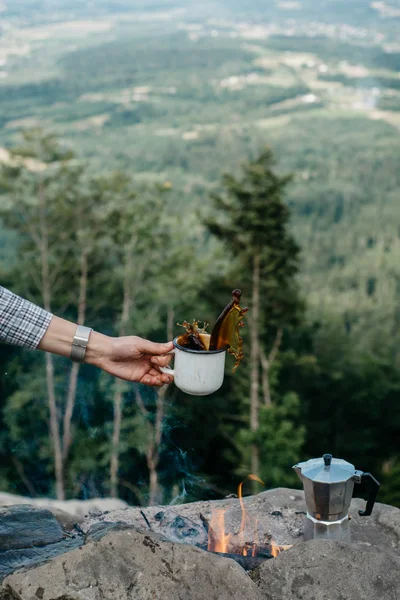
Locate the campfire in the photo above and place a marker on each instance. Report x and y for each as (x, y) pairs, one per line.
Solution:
(244, 546)
(242, 529)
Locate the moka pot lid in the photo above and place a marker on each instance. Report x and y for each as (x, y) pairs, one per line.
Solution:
(327, 469)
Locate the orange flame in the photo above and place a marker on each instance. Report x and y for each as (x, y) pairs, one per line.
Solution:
(275, 549)
(245, 515)
(219, 541)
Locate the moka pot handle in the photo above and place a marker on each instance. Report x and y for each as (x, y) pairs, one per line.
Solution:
(373, 485)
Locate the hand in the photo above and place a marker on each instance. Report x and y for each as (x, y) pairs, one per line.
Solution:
(131, 358)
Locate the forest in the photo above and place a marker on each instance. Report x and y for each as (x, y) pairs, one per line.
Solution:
(119, 255)
(148, 155)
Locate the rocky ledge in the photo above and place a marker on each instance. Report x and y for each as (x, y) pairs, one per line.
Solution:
(156, 554)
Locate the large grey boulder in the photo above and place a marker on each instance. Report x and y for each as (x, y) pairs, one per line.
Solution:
(30, 536)
(280, 516)
(128, 565)
(327, 570)
(22, 527)
(150, 554)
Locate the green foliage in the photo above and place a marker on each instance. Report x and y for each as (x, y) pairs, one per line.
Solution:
(332, 49)
(344, 396)
(390, 482)
(252, 220)
(323, 399)
(173, 112)
(280, 439)
(181, 109)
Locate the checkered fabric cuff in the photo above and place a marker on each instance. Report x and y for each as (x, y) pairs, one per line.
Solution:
(21, 322)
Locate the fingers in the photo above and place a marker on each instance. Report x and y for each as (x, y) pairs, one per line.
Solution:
(148, 347)
(157, 379)
(154, 377)
(161, 361)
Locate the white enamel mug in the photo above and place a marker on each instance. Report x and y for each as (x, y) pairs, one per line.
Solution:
(197, 372)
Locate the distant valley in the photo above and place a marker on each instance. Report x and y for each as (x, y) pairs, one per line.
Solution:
(181, 92)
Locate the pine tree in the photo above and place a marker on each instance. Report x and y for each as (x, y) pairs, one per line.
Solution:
(252, 220)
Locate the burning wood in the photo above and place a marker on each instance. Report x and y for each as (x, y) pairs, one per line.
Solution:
(234, 545)
(248, 563)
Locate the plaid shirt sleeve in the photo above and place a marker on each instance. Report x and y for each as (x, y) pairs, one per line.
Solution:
(21, 322)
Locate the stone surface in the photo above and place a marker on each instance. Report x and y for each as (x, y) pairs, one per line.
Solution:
(67, 521)
(22, 527)
(327, 570)
(30, 535)
(128, 565)
(279, 513)
(133, 554)
(77, 508)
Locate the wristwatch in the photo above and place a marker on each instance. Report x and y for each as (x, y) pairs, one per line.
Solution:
(79, 343)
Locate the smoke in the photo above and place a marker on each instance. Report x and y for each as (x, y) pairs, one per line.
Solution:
(180, 497)
(181, 470)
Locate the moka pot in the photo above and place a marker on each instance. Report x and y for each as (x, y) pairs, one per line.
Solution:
(328, 486)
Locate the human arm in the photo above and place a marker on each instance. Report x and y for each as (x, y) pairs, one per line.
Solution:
(133, 358)
(129, 357)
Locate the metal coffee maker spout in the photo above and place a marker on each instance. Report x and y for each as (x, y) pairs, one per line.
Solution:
(328, 486)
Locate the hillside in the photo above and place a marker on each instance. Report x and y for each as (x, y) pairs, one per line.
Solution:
(181, 92)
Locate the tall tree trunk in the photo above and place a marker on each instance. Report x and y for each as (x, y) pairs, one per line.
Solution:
(255, 362)
(46, 291)
(114, 464)
(73, 379)
(266, 364)
(153, 454)
(153, 442)
(153, 481)
(118, 390)
(21, 472)
(265, 378)
(54, 430)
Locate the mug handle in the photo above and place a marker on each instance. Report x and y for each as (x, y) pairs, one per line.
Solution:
(168, 370)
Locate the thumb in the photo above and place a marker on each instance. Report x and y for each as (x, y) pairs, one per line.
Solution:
(148, 347)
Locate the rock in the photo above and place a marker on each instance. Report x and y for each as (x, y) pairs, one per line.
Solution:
(389, 518)
(29, 536)
(327, 570)
(380, 529)
(67, 521)
(280, 515)
(23, 527)
(77, 508)
(121, 558)
(128, 565)
(180, 522)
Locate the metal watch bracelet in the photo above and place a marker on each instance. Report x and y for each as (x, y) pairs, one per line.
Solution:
(79, 343)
